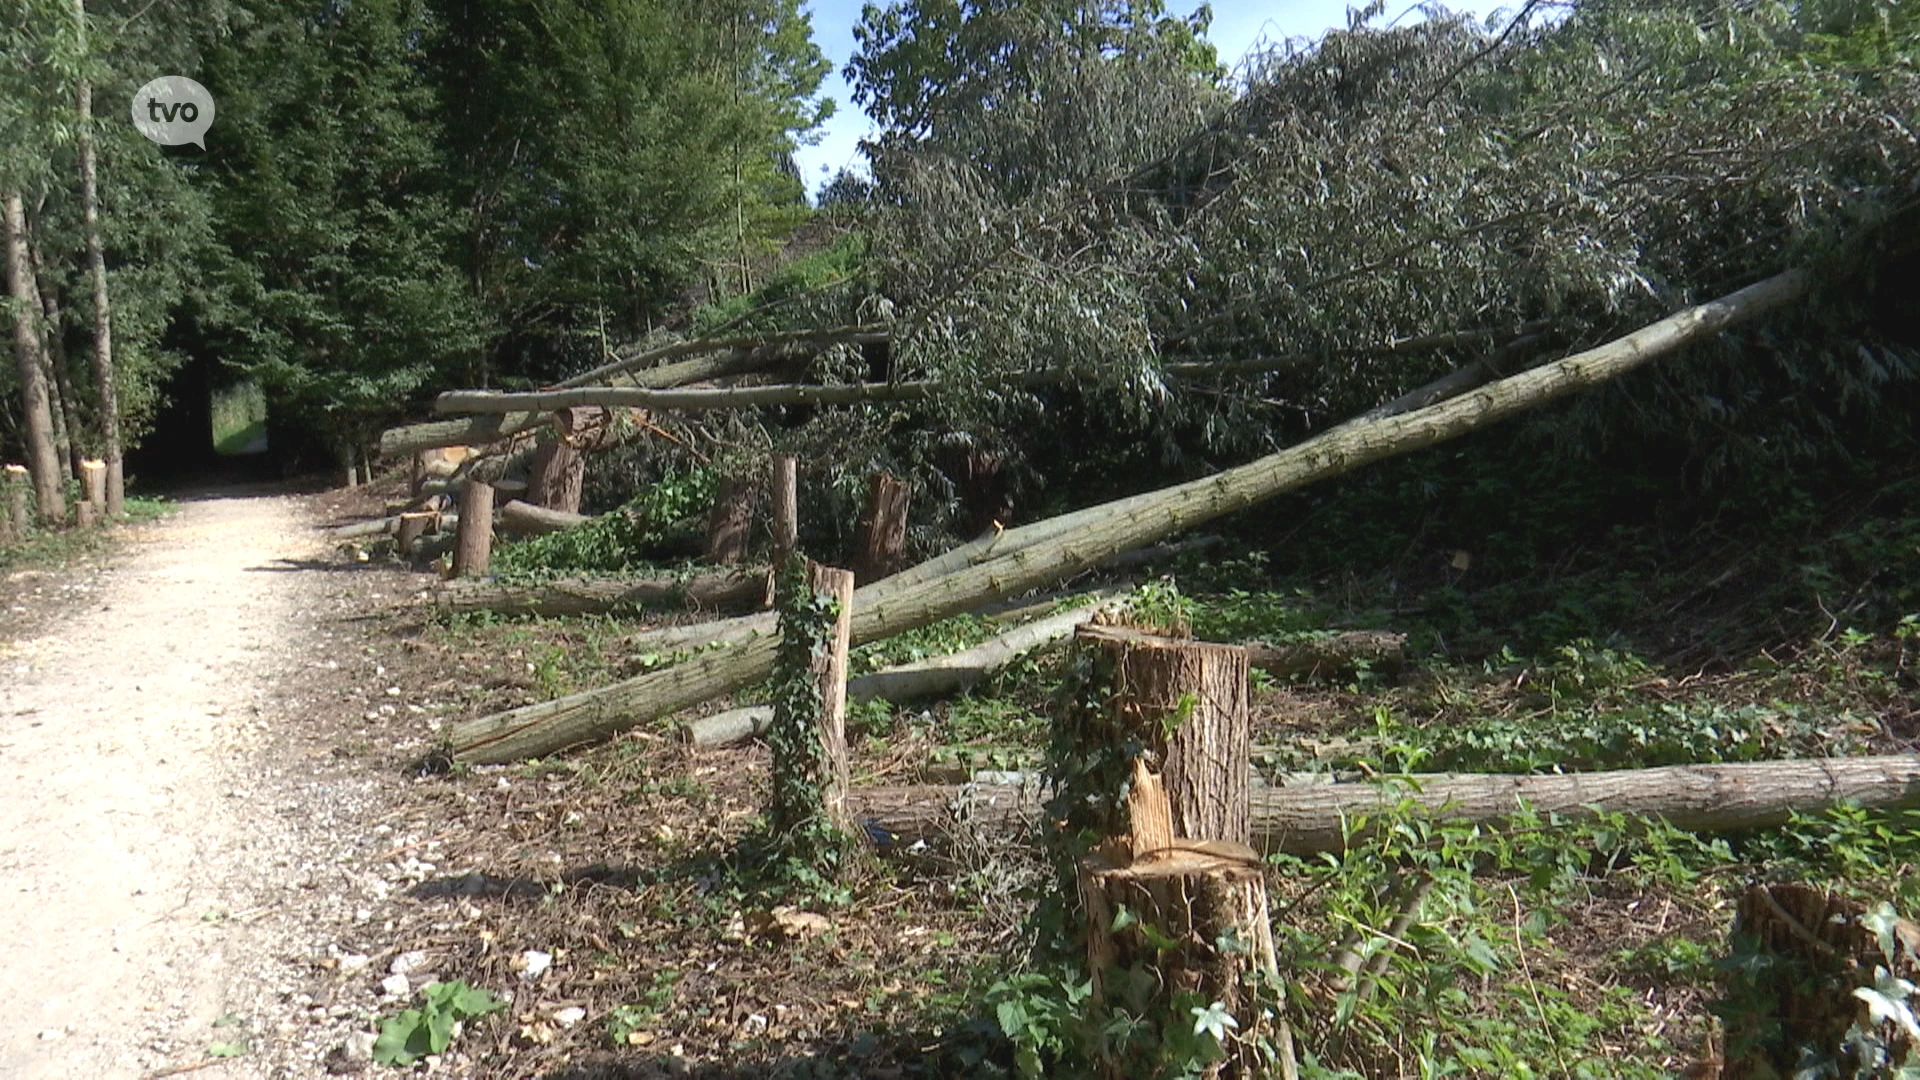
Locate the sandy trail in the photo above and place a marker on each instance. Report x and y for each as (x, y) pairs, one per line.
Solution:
(126, 728)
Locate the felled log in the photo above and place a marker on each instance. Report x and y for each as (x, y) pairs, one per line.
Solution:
(901, 683)
(1380, 650)
(737, 350)
(526, 519)
(737, 589)
(1308, 819)
(1024, 559)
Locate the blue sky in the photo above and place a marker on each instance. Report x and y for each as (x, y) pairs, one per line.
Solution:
(1237, 26)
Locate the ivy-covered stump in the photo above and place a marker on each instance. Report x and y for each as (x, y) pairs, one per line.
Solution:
(1181, 702)
(1820, 985)
(1180, 950)
(808, 733)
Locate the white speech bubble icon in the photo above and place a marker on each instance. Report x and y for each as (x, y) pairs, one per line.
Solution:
(173, 110)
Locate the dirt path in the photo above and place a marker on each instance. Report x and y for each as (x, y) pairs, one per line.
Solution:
(152, 854)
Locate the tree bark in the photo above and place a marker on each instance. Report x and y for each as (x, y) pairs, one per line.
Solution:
(1011, 563)
(730, 523)
(106, 392)
(1185, 703)
(18, 520)
(738, 589)
(93, 473)
(66, 406)
(880, 540)
(473, 546)
(412, 526)
(36, 409)
(559, 470)
(1312, 818)
(805, 779)
(786, 508)
(950, 674)
(58, 387)
(526, 519)
(1195, 894)
(1378, 650)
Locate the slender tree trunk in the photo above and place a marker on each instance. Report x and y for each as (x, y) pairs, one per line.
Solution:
(37, 425)
(106, 392)
(66, 417)
(58, 389)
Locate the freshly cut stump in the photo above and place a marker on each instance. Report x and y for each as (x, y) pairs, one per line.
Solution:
(1196, 894)
(473, 544)
(413, 525)
(1185, 702)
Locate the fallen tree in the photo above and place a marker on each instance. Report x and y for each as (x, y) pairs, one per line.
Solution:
(526, 519)
(1319, 657)
(1049, 551)
(734, 347)
(600, 596)
(1307, 819)
(941, 676)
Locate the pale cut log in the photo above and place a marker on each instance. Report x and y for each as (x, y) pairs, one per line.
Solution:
(458, 485)
(526, 519)
(1100, 532)
(1311, 818)
(1381, 650)
(602, 596)
(93, 472)
(951, 674)
(473, 543)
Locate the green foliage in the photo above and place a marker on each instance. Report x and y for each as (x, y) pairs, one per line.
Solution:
(665, 514)
(415, 1033)
(626, 1020)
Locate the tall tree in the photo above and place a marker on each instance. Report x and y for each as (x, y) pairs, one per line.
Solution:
(42, 459)
(107, 399)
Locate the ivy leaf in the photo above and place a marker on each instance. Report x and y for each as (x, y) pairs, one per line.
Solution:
(1214, 1020)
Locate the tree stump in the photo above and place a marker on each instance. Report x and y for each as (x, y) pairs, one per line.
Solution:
(1185, 704)
(473, 544)
(730, 524)
(786, 508)
(559, 468)
(18, 520)
(413, 525)
(94, 472)
(808, 734)
(1179, 940)
(1821, 948)
(880, 540)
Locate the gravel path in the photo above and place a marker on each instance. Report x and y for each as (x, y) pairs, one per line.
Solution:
(164, 862)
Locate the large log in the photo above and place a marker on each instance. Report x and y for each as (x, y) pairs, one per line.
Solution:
(526, 519)
(938, 677)
(600, 596)
(1049, 551)
(1311, 818)
(1379, 650)
(743, 345)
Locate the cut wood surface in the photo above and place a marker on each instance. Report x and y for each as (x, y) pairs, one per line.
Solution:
(738, 589)
(1027, 558)
(526, 519)
(916, 681)
(1310, 818)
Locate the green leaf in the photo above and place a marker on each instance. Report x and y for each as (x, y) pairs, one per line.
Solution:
(227, 1049)
(391, 1048)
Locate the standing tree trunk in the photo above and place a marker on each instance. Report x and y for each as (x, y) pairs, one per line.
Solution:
(880, 542)
(58, 391)
(66, 413)
(809, 730)
(786, 508)
(730, 525)
(559, 469)
(42, 460)
(106, 393)
(473, 543)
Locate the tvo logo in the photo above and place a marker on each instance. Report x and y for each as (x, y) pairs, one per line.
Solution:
(173, 110)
